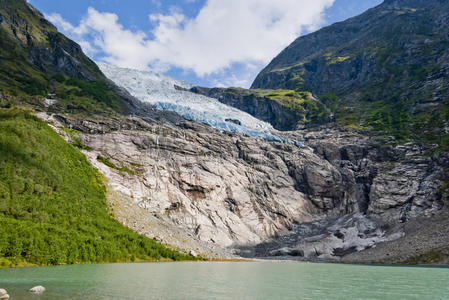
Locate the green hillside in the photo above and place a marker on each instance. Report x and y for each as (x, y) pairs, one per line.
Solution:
(52, 203)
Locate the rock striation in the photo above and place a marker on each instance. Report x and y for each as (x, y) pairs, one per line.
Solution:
(225, 193)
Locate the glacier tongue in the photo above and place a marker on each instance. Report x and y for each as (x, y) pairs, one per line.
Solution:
(160, 91)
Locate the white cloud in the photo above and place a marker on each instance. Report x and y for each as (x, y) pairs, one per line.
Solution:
(76, 33)
(247, 32)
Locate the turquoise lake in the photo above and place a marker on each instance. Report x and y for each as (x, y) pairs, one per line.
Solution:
(227, 280)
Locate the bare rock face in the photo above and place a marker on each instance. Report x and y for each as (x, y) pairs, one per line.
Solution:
(222, 188)
(195, 188)
(327, 239)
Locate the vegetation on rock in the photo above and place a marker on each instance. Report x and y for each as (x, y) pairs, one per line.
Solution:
(296, 101)
(110, 164)
(285, 109)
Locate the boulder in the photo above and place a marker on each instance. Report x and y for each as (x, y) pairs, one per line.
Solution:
(3, 292)
(4, 296)
(193, 253)
(37, 289)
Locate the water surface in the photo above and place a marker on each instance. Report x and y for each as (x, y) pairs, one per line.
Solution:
(246, 280)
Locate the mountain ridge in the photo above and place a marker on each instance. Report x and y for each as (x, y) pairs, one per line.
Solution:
(37, 60)
(384, 70)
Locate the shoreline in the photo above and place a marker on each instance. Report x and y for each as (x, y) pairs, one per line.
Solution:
(242, 260)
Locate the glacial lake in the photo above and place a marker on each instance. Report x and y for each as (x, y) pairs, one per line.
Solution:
(227, 280)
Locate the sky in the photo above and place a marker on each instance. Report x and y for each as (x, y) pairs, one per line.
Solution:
(205, 42)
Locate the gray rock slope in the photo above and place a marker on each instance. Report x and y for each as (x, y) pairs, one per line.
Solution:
(225, 194)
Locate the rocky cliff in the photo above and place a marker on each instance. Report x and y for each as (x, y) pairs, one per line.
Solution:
(221, 194)
(284, 109)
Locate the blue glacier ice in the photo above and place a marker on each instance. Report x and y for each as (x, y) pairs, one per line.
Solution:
(160, 91)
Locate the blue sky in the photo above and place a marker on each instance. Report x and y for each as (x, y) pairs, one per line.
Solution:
(206, 42)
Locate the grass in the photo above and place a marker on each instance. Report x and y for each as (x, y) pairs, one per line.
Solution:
(79, 144)
(52, 203)
(308, 110)
(297, 101)
(337, 59)
(296, 82)
(288, 98)
(110, 164)
(93, 97)
(301, 101)
(76, 141)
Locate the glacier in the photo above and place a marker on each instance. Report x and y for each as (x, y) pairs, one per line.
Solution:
(160, 91)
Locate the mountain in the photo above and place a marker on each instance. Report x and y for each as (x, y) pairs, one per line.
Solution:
(37, 60)
(31, 46)
(380, 76)
(93, 172)
(385, 70)
(221, 194)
